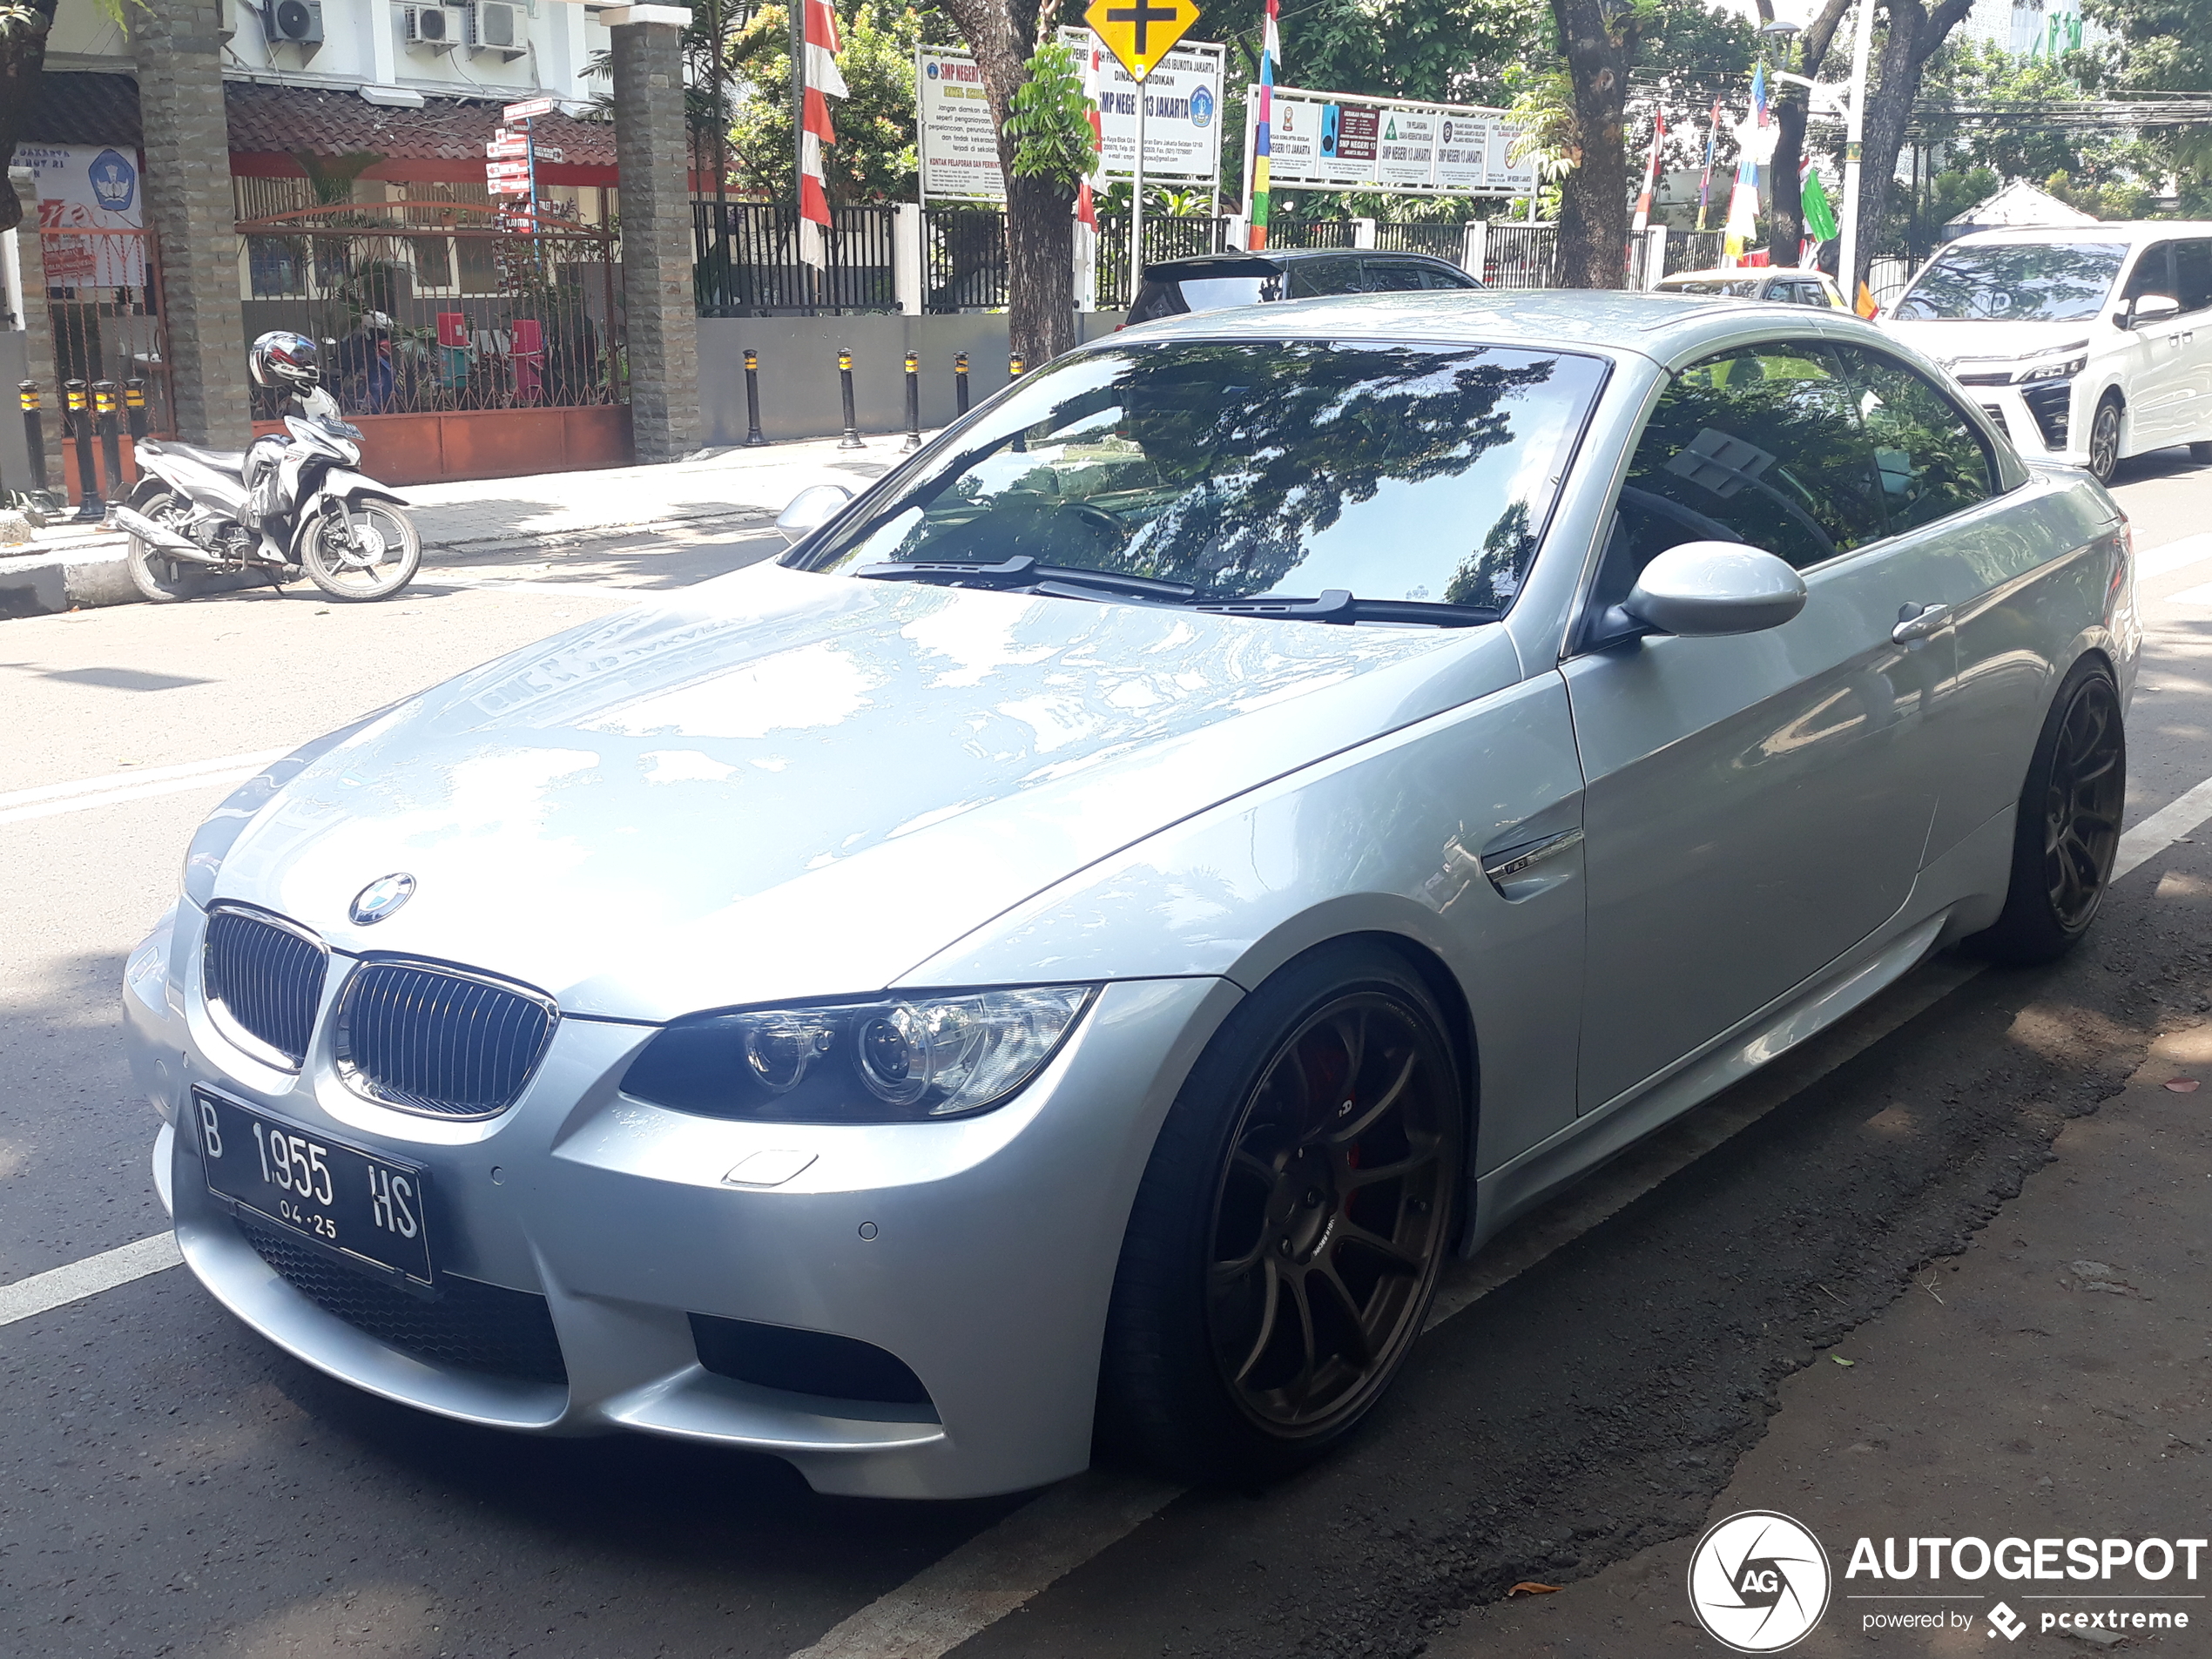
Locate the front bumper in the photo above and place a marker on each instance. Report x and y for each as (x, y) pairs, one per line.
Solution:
(981, 1252)
(2041, 418)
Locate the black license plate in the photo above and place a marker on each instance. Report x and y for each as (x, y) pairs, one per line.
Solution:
(366, 1207)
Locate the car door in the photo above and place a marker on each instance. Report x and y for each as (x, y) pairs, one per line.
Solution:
(2155, 372)
(2193, 287)
(1755, 805)
(2013, 583)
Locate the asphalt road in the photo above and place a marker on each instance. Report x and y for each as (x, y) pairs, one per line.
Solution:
(169, 1485)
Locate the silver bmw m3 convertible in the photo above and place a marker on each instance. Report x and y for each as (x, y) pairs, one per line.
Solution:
(1067, 954)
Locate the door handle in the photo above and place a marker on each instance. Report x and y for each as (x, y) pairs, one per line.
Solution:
(1919, 622)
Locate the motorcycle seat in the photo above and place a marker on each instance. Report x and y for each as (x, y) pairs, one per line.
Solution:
(221, 460)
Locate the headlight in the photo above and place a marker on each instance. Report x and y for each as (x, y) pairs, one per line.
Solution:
(892, 1060)
(2059, 371)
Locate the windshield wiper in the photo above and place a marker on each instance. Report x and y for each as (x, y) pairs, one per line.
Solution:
(1340, 605)
(1023, 572)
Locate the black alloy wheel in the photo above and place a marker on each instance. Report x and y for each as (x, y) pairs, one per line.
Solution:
(1292, 1223)
(2067, 834)
(2104, 440)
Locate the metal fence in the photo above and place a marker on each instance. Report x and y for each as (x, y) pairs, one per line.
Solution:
(1310, 232)
(747, 260)
(103, 294)
(1694, 250)
(431, 306)
(963, 258)
(1445, 241)
(1519, 256)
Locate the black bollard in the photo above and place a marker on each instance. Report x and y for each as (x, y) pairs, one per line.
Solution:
(134, 408)
(851, 439)
(752, 438)
(34, 432)
(914, 402)
(1017, 365)
(960, 382)
(78, 411)
(107, 409)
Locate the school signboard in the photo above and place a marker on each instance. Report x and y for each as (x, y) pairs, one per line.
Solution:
(1333, 141)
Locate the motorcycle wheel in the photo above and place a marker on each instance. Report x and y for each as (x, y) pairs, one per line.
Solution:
(161, 580)
(378, 555)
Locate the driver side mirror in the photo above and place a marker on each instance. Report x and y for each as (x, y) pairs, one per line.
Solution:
(2150, 307)
(809, 511)
(1715, 588)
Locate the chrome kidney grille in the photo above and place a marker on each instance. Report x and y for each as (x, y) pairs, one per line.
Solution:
(439, 1041)
(264, 981)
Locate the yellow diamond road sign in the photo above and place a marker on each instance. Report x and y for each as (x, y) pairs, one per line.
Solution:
(1141, 32)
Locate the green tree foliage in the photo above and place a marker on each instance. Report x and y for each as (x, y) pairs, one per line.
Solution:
(1052, 139)
(873, 158)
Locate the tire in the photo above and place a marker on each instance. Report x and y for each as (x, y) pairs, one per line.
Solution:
(160, 580)
(1280, 1257)
(384, 535)
(2104, 439)
(2068, 830)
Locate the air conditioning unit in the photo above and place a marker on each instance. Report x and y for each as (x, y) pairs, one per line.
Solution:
(437, 29)
(294, 22)
(498, 26)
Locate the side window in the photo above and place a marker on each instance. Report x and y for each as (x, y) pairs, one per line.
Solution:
(1931, 461)
(1392, 276)
(2153, 273)
(1762, 444)
(2193, 274)
(1310, 278)
(1438, 276)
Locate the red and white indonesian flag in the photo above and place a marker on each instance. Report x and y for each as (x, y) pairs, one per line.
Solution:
(1086, 209)
(823, 83)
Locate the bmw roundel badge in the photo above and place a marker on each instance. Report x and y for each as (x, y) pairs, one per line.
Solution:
(381, 897)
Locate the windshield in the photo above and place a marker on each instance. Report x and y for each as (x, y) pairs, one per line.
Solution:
(2014, 282)
(1741, 290)
(1297, 466)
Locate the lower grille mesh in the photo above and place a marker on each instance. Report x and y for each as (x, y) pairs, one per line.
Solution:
(445, 1044)
(472, 1326)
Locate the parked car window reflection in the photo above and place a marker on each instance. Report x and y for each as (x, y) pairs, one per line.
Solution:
(1761, 445)
(2014, 282)
(1932, 460)
(2193, 274)
(1391, 472)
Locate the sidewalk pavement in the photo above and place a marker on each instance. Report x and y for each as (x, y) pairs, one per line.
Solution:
(68, 566)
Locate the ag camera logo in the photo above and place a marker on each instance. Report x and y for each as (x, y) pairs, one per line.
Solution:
(1758, 1581)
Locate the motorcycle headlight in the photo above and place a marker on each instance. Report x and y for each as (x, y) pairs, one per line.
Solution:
(889, 1060)
(2065, 369)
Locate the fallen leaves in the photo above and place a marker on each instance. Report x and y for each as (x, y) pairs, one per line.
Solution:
(1529, 1586)
(1840, 1360)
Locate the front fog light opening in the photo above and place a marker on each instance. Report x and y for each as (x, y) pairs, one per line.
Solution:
(892, 1059)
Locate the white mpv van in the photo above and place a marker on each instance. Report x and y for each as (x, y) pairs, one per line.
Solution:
(2081, 341)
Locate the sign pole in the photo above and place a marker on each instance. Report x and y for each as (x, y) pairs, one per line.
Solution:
(1137, 192)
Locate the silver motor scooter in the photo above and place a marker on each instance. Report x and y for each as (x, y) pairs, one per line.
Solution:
(280, 507)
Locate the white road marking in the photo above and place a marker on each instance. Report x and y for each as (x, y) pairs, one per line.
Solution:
(41, 1292)
(48, 799)
(998, 1569)
(2189, 596)
(2163, 827)
(2173, 555)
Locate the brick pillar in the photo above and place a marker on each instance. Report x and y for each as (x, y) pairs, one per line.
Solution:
(191, 213)
(653, 158)
(37, 327)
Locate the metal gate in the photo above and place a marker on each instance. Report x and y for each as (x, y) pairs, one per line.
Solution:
(103, 294)
(435, 306)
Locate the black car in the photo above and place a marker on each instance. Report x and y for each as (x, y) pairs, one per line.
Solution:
(1208, 282)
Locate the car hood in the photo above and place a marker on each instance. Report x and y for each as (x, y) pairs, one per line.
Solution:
(1953, 342)
(783, 784)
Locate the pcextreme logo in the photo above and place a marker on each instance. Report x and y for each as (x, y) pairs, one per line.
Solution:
(1758, 1581)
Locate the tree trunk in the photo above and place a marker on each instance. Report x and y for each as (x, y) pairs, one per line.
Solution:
(1785, 221)
(23, 61)
(1040, 231)
(1914, 35)
(1594, 198)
